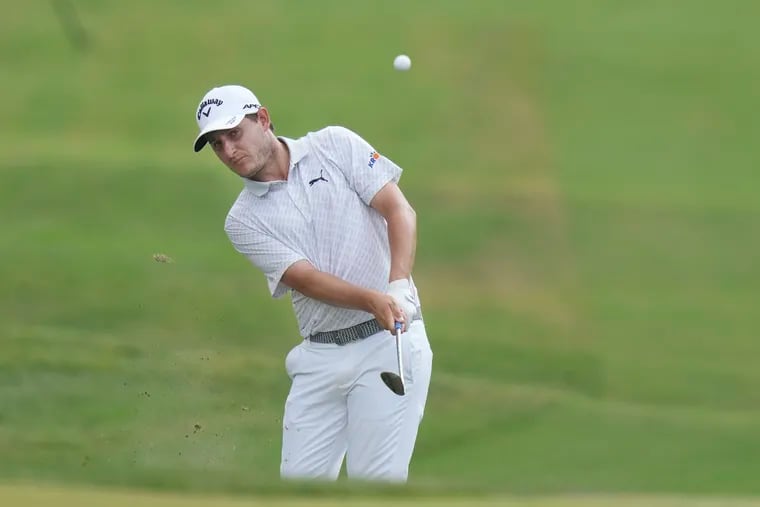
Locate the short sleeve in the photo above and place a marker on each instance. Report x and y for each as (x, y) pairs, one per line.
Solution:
(366, 170)
(269, 255)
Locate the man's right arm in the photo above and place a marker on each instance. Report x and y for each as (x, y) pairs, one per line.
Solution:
(303, 277)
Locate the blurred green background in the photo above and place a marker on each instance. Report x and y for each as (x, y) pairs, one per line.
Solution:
(588, 238)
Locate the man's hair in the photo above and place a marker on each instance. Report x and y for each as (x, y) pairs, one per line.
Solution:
(255, 117)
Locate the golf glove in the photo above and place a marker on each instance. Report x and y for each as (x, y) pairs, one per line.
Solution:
(401, 291)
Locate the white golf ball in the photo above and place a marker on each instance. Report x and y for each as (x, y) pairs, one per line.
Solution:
(402, 62)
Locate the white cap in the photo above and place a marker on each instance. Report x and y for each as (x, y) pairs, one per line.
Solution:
(223, 107)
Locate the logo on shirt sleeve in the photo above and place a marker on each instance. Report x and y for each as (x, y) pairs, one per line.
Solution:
(373, 157)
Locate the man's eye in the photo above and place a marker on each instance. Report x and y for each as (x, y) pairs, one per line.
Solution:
(234, 133)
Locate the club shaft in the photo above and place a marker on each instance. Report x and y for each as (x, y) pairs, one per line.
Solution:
(399, 356)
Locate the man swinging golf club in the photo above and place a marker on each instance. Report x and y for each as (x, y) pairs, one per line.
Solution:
(324, 219)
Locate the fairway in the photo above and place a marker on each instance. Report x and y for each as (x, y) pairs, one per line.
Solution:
(584, 174)
(58, 497)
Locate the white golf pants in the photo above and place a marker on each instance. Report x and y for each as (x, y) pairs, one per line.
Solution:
(338, 407)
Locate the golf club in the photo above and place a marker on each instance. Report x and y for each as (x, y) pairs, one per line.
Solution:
(395, 381)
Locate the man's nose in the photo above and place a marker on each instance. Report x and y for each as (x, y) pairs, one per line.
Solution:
(228, 149)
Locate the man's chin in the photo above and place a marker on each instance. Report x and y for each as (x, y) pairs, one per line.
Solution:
(250, 173)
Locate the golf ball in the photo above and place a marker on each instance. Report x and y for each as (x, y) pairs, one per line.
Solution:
(402, 62)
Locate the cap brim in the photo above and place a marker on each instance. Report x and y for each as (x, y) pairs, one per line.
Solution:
(223, 124)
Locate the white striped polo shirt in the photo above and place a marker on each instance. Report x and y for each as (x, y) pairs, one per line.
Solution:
(321, 213)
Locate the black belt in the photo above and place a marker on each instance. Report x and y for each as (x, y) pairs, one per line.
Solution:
(349, 334)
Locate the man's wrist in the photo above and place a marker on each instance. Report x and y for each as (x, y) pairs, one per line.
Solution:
(402, 284)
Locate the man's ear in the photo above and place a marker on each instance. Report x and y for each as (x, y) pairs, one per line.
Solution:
(263, 117)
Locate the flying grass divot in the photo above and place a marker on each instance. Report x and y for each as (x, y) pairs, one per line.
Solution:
(162, 258)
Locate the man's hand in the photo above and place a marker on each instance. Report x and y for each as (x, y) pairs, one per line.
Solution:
(386, 310)
(401, 291)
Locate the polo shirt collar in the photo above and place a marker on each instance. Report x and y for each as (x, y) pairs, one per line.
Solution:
(297, 149)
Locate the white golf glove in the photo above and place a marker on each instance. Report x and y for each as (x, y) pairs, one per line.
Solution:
(401, 291)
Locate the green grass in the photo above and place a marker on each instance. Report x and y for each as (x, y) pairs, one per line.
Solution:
(43, 497)
(583, 174)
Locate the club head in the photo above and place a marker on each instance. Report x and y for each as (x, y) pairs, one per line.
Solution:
(393, 382)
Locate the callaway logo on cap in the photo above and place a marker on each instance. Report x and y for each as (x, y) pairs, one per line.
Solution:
(223, 107)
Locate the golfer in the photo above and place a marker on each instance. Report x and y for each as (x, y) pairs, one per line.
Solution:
(323, 218)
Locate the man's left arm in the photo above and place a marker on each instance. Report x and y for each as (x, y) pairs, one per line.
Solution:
(402, 238)
(402, 229)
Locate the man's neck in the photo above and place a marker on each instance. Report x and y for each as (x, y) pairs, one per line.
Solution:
(282, 159)
(279, 164)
